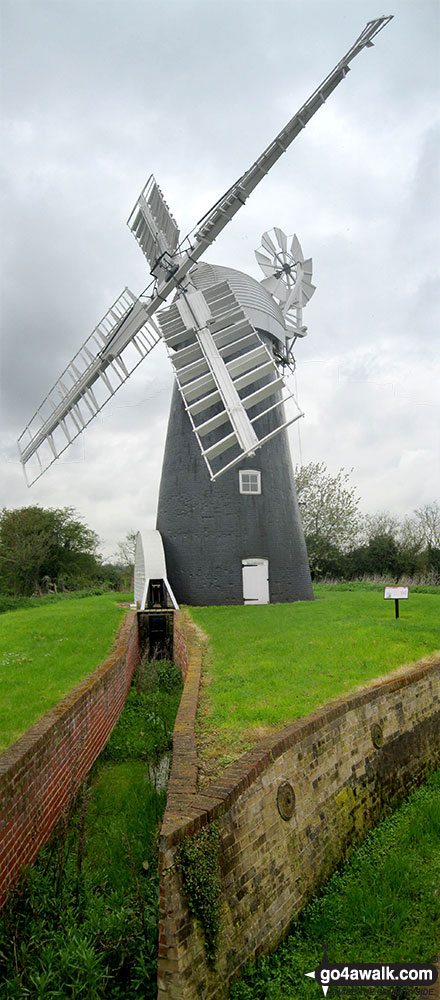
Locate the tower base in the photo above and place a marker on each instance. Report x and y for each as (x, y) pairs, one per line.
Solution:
(212, 533)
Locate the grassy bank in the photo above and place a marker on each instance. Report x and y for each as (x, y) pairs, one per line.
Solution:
(83, 923)
(267, 665)
(8, 603)
(383, 906)
(46, 650)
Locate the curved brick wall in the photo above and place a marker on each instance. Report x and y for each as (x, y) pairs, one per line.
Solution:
(270, 866)
(44, 768)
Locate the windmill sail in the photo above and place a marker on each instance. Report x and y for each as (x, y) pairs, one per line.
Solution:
(224, 373)
(101, 363)
(116, 346)
(153, 225)
(218, 217)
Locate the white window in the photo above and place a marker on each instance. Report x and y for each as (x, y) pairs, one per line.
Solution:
(250, 481)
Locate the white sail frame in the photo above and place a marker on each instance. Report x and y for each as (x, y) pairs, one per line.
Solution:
(112, 352)
(201, 330)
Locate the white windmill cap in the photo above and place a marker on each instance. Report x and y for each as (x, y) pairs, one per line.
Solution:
(262, 310)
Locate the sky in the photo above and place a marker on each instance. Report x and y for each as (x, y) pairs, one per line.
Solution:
(98, 94)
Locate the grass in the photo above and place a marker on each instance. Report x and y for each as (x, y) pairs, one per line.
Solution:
(382, 906)
(124, 808)
(83, 922)
(8, 603)
(126, 805)
(268, 665)
(46, 650)
(145, 730)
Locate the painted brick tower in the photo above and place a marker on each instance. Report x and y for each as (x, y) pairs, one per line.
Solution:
(237, 539)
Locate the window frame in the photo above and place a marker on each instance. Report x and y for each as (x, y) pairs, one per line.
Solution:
(250, 473)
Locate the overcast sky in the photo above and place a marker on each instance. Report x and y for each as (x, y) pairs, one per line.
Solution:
(96, 95)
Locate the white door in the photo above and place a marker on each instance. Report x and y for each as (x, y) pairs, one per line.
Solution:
(255, 581)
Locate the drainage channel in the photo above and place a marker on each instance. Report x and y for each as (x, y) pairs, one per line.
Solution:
(83, 921)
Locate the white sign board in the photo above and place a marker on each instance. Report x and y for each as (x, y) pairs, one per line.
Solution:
(395, 593)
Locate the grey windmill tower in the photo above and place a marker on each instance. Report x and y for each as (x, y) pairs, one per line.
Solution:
(232, 531)
(228, 527)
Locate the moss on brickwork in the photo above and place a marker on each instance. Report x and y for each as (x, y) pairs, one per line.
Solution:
(198, 863)
(271, 867)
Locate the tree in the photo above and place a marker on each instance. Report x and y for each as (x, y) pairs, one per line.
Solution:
(411, 536)
(429, 520)
(52, 544)
(330, 516)
(126, 550)
(396, 549)
(125, 560)
(380, 524)
(411, 542)
(381, 554)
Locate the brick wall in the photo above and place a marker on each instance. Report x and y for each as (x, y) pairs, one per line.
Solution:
(187, 654)
(41, 772)
(181, 632)
(341, 783)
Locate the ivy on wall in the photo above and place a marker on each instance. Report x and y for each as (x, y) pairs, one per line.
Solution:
(198, 863)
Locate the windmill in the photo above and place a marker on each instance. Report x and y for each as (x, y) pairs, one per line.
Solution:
(227, 337)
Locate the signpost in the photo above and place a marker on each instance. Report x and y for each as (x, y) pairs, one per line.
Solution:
(396, 594)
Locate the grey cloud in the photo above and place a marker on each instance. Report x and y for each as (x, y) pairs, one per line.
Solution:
(97, 95)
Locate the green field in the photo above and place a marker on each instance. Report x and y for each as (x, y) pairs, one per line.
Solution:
(268, 665)
(45, 651)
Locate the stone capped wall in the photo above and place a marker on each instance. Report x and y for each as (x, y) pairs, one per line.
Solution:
(42, 771)
(346, 766)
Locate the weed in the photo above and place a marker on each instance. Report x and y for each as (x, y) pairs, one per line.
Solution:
(145, 729)
(198, 862)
